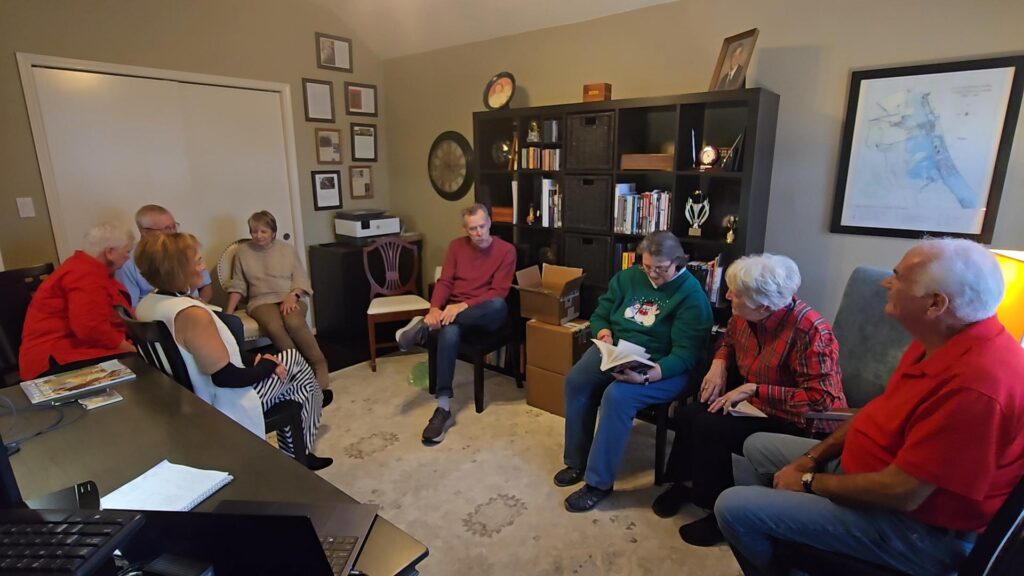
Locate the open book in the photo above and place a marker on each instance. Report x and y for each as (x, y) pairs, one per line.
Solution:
(624, 356)
(746, 409)
(76, 383)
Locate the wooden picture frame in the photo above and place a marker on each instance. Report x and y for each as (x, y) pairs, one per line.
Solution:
(326, 189)
(925, 149)
(327, 143)
(360, 182)
(732, 74)
(318, 100)
(363, 140)
(333, 52)
(360, 99)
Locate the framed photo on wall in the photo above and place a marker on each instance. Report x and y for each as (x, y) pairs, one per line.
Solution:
(360, 184)
(328, 146)
(333, 52)
(326, 189)
(733, 61)
(925, 149)
(318, 100)
(364, 142)
(360, 99)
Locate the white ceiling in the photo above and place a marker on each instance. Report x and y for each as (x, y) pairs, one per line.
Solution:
(398, 27)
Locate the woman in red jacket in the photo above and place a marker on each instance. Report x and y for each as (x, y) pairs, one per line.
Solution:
(71, 320)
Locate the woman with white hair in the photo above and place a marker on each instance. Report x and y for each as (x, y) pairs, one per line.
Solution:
(71, 322)
(785, 360)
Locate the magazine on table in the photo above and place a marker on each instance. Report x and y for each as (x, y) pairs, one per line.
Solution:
(69, 385)
(623, 356)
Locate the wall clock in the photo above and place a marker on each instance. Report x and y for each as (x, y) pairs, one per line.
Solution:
(450, 165)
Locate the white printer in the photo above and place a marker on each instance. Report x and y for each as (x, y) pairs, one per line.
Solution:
(365, 223)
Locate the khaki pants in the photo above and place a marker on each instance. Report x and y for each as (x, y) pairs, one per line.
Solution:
(291, 331)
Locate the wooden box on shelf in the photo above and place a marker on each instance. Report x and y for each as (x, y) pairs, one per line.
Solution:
(501, 214)
(647, 162)
(597, 92)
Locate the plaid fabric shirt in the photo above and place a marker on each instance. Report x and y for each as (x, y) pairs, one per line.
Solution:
(793, 357)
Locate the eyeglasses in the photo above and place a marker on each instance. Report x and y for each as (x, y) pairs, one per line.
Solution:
(166, 229)
(659, 270)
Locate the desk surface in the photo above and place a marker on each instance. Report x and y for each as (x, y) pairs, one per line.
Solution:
(159, 419)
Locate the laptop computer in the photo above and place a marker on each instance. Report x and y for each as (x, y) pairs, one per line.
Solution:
(341, 528)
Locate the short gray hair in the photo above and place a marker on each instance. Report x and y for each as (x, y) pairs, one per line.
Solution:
(764, 279)
(106, 235)
(966, 273)
(664, 244)
(146, 210)
(478, 207)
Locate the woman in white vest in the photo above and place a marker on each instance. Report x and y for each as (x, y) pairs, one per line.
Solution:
(173, 265)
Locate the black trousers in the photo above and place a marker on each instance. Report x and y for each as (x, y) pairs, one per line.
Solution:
(704, 444)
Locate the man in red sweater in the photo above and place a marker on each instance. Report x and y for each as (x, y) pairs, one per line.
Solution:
(475, 279)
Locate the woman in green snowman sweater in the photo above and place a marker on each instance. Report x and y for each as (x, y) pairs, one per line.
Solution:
(660, 306)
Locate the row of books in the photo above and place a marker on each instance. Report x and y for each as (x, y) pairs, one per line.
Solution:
(548, 132)
(533, 158)
(643, 213)
(625, 254)
(550, 204)
(710, 276)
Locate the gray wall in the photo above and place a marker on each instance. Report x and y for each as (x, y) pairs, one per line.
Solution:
(805, 52)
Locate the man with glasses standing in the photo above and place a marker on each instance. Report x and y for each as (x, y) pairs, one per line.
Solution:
(659, 306)
(155, 219)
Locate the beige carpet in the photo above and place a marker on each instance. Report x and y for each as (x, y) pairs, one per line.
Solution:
(483, 500)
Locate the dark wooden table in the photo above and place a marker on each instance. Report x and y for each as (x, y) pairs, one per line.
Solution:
(157, 420)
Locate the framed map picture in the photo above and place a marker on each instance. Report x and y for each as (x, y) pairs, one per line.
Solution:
(925, 149)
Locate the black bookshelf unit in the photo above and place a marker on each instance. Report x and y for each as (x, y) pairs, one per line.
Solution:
(575, 152)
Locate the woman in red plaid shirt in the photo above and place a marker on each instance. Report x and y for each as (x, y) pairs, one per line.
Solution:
(784, 357)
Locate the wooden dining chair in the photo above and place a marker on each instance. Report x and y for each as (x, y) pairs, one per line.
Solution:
(392, 270)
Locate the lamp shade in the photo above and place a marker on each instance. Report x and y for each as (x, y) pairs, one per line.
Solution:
(1011, 309)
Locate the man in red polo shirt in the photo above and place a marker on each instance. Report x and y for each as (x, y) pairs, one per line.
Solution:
(475, 279)
(918, 472)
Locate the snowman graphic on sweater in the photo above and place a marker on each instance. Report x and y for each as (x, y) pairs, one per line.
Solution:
(643, 312)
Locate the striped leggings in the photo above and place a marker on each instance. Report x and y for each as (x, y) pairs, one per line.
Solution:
(300, 385)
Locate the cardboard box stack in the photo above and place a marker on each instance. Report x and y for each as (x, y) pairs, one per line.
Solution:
(554, 339)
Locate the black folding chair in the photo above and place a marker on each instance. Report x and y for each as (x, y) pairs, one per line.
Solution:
(16, 290)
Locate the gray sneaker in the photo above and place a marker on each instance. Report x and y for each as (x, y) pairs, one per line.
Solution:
(413, 334)
(439, 423)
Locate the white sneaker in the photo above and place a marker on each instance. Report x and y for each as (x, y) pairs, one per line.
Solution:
(413, 334)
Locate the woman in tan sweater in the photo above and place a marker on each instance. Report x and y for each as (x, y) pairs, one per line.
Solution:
(271, 275)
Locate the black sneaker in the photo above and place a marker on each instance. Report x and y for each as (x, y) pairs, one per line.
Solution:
(668, 503)
(585, 498)
(413, 334)
(703, 532)
(314, 462)
(439, 423)
(568, 476)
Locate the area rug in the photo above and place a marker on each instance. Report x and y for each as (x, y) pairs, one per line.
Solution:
(483, 501)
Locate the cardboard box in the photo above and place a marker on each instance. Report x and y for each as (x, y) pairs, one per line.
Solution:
(556, 348)
(552, 297)
(597, 92)
(545, 390)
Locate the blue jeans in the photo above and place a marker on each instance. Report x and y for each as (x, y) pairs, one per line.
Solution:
(488, 315)
(752, 517)
(587, 390)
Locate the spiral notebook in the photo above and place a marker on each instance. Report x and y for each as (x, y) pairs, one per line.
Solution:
(168, 487)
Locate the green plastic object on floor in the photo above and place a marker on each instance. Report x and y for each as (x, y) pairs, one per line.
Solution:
(419, 376)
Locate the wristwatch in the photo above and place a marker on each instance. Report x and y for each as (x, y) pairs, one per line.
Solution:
(808, 479)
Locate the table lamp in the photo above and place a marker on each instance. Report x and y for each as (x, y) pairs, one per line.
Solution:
(1011, 309)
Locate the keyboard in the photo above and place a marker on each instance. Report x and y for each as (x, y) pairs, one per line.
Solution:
(74, 542)
(338, 551)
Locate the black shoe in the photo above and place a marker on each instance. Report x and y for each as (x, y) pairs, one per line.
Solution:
(328, 398)
(440, 421)
(585, 498)
(568, 476)
(668, 503)
(314, 462)
(412, 334)
(703, 532)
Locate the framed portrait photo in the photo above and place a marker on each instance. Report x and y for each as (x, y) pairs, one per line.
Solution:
(328, 146)
(364, 142)
(333, 52)
(326, 189)
(360, 182)
(318, 100)
(360, 99)
(733, 61)
(925, 149)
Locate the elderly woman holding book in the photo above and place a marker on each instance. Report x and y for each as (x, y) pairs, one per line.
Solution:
(660, 307)
(785, 359)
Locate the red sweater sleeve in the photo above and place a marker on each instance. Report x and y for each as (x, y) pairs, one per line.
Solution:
(89, 311)
(443, 287)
